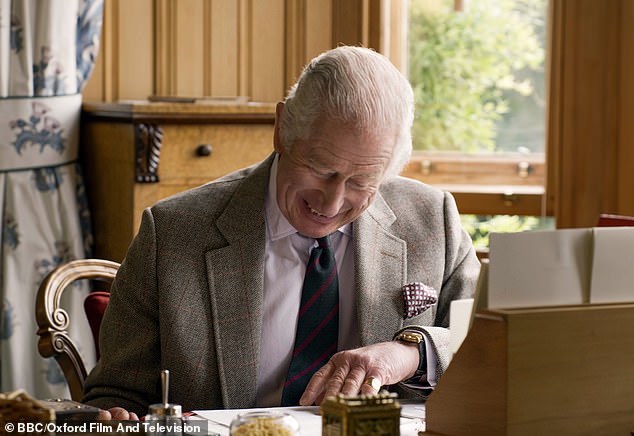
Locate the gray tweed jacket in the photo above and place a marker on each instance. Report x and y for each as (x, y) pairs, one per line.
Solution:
(188, 295)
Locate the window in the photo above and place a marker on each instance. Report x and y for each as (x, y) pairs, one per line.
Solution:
(478, 72)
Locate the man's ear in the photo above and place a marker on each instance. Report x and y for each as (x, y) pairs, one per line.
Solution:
(279, 111)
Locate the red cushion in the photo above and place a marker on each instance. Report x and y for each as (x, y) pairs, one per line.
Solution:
(95, 306)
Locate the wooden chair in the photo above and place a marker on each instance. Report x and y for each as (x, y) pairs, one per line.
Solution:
(52, 320)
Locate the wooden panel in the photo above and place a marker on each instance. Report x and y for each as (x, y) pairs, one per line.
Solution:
(94, 87)
(397, 34)
(134, 50)
(295, 39)
(554, 358)
(224, 48)
(626, 116)
(164, 48)
(479, 366)
(554, 90)
(267, 41)
(589, 130)
(108, 160)
(318, 28)
(189, 58)
(180, 47)
(245, 13)
(308, 33)
(376, 22)
(100, 86)
(347, 22)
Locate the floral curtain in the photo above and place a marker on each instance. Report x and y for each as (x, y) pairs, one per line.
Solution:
(47, 52)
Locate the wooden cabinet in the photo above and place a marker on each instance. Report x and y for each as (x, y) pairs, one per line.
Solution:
(136, 153)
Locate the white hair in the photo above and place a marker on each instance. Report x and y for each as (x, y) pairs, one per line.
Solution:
(356, 86)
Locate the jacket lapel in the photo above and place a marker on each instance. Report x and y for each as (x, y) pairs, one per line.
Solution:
(380, 270)
(236, 281)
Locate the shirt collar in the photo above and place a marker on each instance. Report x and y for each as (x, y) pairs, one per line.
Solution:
(278, 226)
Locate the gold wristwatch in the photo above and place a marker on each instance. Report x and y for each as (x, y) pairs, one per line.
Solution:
(415, 337)
(409, 336)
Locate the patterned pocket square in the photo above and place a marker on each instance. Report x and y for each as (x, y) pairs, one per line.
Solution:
(418, 297)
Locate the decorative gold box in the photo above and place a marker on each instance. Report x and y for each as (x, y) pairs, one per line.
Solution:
(376, 415)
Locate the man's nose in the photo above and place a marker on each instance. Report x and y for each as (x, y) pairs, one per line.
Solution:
(334, 196)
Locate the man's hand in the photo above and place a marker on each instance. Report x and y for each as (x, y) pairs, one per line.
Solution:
(117, 414)
(346, 371)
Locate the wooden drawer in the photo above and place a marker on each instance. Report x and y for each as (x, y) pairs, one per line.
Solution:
(230, 146)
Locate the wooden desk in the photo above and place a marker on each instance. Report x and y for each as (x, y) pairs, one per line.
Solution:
(559, 370)
(136, 153)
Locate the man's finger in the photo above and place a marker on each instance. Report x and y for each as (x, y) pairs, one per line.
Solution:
(104, 415)
(316, 384)
(353, 382)
(335, 384)
(120, 414)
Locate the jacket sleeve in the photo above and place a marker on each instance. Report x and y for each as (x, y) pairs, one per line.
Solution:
(459, 281)
(127, 375)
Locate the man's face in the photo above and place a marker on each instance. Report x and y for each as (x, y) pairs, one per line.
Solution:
(329, 179)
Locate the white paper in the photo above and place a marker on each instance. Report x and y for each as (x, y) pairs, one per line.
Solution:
(540, 268)
(612, 265)
(460, 313)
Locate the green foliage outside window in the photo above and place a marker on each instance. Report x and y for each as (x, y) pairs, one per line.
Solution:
(479, 226)
(465, 68)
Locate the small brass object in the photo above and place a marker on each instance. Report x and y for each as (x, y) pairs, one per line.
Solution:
(362, 415)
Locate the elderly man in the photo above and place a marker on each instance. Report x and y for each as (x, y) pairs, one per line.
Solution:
(216, 286)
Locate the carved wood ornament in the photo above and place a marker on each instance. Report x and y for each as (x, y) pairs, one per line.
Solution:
(148, 139)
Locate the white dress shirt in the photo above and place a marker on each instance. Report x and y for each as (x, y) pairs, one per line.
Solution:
(286, 255)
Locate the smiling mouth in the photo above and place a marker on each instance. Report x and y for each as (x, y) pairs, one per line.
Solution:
(314, 211)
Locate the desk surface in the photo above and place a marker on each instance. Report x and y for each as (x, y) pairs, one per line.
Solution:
(309, 418)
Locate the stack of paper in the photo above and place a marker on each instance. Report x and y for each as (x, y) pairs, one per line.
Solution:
(561, 267)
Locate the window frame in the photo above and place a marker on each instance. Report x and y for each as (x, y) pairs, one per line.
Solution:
(491, 184)
(501, 184)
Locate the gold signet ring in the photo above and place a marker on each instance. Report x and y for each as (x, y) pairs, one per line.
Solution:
(373, 382)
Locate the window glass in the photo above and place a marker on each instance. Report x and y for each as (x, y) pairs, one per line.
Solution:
(477, 69)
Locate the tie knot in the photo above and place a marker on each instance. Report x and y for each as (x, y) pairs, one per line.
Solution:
(324, 242)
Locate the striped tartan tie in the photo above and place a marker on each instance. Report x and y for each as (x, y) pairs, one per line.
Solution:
(317, 324)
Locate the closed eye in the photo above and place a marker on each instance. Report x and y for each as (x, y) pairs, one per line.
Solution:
(360, 183)
(323, 172)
